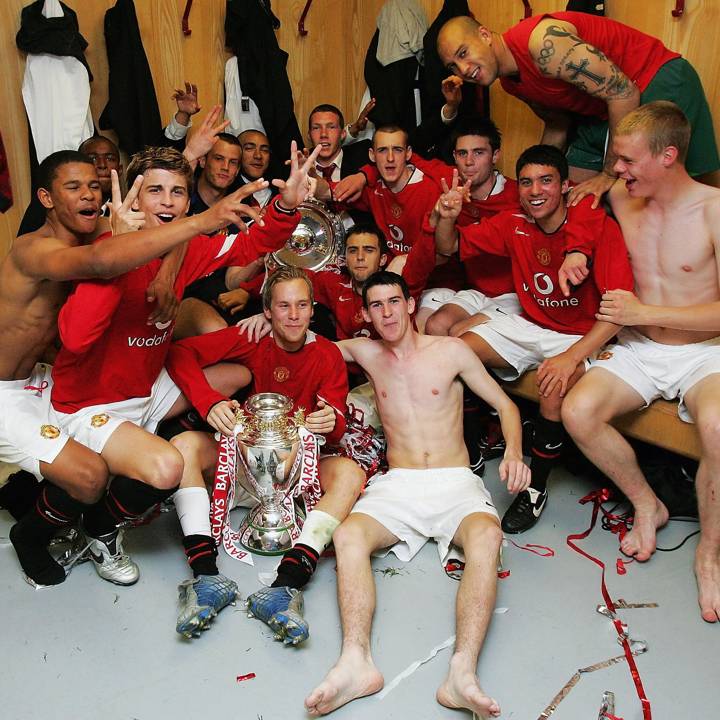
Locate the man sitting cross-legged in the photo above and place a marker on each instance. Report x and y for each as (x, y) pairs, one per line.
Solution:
(670, 346)
(110, 389)
(309, 370)
(429, 491)
(553, 332)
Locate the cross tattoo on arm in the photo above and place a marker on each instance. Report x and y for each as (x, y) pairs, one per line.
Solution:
(581, 69)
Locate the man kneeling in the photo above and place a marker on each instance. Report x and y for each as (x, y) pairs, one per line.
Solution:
(429, 491)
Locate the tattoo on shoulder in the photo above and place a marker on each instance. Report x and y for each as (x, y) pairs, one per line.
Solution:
(544, 56)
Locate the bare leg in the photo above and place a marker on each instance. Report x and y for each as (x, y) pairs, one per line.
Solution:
(587, 411)
(342, 482)
(354, 675)
(703, 402)
(196, 317)
(479, 535)
(440, 322)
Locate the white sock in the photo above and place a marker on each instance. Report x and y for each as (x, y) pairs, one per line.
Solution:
(318, 530)
(193, 509)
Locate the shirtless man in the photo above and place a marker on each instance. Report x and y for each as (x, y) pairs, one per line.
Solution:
(34, 279)
(670, 346)
(418, 389)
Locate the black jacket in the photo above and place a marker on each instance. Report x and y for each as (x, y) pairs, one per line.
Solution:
(250, 34)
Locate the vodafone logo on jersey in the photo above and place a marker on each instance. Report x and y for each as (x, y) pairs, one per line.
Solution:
(544, 286)
(395, 241)
(153, 341)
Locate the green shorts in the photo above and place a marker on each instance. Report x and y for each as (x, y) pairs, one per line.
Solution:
(676, 80)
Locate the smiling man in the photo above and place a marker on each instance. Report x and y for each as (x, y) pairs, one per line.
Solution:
(554, 332)
(106, 338)
(34, 282)
(670, 346)
(569, 65)
(428, 492)
(309, 370)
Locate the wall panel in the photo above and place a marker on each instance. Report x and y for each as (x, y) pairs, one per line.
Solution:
(324, 66)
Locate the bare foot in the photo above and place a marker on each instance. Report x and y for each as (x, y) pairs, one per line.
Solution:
(351, 678)
(639, 543)
(462, 690)
(707, 574)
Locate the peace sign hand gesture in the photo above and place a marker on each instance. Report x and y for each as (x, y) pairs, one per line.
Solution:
(122, 216)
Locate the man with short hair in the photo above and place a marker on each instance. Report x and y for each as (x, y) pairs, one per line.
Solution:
(106, 337)
(309, 370)
(218, 170)
(670, 345)
(556, 333)
(593, 70)
(105, 155)
(254, 162)
(428, 492)
(326, 127)
(34, 278)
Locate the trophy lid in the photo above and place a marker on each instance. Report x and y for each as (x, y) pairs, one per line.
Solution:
(268, 417)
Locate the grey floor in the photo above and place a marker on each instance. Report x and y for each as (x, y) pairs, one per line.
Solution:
(88, 650)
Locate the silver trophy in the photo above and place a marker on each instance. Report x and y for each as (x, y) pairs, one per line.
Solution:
(318, 240)
(268, 447)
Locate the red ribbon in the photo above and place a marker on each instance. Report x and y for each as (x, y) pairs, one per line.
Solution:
(549, 552)
(249, 676)
(598, 497)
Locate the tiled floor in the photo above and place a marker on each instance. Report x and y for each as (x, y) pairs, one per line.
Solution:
(87, 650)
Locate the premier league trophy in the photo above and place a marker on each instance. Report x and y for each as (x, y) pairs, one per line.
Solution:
(268, 451)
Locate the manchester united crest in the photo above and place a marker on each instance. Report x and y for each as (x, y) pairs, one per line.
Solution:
(396, 211)
(281, 374)
(604, 355)
(99, 420)
(543, 255)
(49, 432)
(473, 211)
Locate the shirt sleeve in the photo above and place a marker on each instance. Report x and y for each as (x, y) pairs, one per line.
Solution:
(334, 390)
(488, 235)
(88, 312)
(611, 269)
(176, 131)
(187, 358)
(205, 255)
(420, 261)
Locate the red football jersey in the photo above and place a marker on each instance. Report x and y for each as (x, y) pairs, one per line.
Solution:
(537, 256)
(109, 351)
(315, 372)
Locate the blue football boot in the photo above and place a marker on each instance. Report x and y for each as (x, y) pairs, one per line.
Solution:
(201, 599)
(281, 609)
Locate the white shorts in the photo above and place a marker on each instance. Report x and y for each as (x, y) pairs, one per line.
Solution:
(521, 343)
(472, 301)
(92, 426)
(415, 505)
(27, 435)
(656, 370)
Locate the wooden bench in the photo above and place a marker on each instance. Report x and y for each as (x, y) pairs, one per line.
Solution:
(657, 424)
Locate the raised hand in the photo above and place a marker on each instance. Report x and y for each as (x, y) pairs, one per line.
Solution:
(122, 216)
(231, 209)
(362, 120)
(449, 204)
(201, 141)
(298, 186)
(187, 103)
(451, 88)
